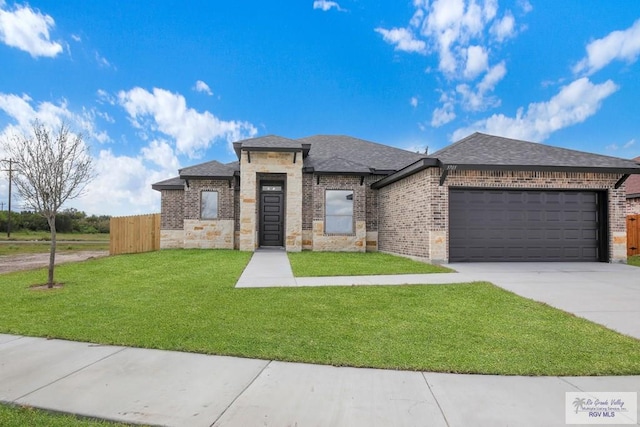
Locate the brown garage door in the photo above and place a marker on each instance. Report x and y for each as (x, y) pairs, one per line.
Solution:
(525, 225)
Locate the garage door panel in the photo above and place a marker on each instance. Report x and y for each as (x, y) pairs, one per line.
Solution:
(522, 225)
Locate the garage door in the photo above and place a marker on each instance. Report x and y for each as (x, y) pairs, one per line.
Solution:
(517, 225)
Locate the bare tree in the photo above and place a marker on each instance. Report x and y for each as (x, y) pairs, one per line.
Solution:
(52, 167)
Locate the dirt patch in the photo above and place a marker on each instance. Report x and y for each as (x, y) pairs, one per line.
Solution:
(45, 287)
(9, 263)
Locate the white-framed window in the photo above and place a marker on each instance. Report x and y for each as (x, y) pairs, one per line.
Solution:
(338, 218)
(209, 204)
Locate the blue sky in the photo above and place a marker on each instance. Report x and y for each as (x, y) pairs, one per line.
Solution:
(155, 86)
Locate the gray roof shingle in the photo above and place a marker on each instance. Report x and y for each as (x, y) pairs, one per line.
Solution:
(339, 165)
(271, 141)
(210, 169)
(489, 150)
(175, 183)
(365, 153)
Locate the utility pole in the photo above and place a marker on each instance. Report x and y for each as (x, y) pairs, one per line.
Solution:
(9, 211)
(10, 181)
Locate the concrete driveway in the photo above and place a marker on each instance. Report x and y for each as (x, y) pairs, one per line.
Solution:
(608, 294)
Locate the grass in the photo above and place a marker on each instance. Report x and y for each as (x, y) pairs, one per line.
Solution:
(634, 260)
(39, 242)
(20, 416)
(46, 236)
(307, 264)
(185, 300)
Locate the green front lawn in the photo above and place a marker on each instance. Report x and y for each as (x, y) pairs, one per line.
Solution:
(21, 416)
(307, 264)
(185, 300)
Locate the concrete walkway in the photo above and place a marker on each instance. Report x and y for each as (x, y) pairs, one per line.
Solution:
(271, 268)
(184, 389)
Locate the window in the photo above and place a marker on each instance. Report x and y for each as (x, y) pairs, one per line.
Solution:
(209, 205)
(272, 188)
(339, 212)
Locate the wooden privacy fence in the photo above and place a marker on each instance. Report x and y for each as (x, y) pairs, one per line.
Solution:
(134, 234)
(633, 235)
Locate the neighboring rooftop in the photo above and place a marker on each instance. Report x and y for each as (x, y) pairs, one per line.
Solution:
(633, 184)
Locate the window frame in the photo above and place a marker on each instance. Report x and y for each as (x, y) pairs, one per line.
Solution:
(328, 216)
(217, 206)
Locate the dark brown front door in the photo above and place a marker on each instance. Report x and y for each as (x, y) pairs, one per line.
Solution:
(271, 215)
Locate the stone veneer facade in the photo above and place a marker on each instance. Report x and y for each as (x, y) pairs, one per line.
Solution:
(414, 212)
(263, 162)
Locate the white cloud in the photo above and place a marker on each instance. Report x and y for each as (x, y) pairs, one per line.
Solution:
(504, 28)
(160, 153)
(123, 183)
(620, 45)
(414, 101)
(202, 87)
(326, 5)
(465, 35)
(444, 114)
(102, 61)
(525, 6)
(573, 104)
(477, 61)
(478, 99)
(629, 143)
(28, 30)
(76, 38)
(403, 39)
(168, 113)
(122, 186)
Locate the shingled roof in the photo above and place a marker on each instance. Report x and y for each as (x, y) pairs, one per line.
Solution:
(212, 169)
(488, 152)
(348, 155)
(481, 150)
(175, 183)
(328, 152)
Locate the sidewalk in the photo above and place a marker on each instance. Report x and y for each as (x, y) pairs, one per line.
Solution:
(271, 268)
(184, 389)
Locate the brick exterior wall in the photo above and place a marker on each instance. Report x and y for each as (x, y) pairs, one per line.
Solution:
(414, 212)
(308, 182)
(405, 215)
(226, 209)
(171, 209)
(633, 206)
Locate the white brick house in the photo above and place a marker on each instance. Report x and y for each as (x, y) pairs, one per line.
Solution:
(484, 198)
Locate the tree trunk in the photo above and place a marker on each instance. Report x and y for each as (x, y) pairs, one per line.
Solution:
(52, 252)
